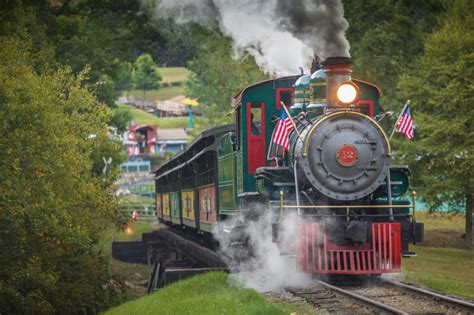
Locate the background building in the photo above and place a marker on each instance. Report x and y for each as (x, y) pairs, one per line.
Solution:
(149, 139)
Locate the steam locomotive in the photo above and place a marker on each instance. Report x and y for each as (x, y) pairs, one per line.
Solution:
(353, 216)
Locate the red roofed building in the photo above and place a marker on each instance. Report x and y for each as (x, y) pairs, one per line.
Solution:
(140, 139)
(148, 139)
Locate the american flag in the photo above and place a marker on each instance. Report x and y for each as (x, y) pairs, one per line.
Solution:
(282, 129)
(405, 124)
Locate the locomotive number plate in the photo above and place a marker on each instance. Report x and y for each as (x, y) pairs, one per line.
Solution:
(347, 155)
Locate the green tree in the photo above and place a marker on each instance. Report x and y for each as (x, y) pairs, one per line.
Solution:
(54, 201)
(124, 82)
(101, 35)
(216, 77)
(146, 76)
(386, 36)
(121, 120)
(441, 87)
(20, 20)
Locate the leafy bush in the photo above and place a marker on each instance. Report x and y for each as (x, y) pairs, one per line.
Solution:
(54, 200)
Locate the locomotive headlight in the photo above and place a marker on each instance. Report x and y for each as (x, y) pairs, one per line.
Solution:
(347, 93)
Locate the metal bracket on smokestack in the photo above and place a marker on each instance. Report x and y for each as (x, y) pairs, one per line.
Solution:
(338, 70)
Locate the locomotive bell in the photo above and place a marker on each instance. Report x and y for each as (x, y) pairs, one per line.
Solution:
(340, 90)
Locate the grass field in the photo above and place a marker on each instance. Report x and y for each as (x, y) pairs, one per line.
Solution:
(161, 94)
(444, 269)
(442, 263)
(141, 117)
(441, 220)
(174, 74)
(210, 293)
(442, 229)
(170, 75)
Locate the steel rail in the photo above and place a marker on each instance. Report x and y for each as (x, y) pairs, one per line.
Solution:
(453, 301)
(364, 299)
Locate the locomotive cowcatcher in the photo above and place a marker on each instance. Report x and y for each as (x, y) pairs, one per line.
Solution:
(353, 214)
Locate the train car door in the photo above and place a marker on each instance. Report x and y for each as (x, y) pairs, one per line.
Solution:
(255, 135)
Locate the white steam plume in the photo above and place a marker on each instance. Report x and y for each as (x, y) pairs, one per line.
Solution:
(266, 269)
(281, 34)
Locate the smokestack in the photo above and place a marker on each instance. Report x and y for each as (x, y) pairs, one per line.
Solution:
(316, 64)
(338, 69)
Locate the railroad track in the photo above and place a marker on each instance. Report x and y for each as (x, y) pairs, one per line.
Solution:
(381, 297)
(463, 305)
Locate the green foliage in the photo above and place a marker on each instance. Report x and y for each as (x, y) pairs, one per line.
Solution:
(216, 78)
(145, 75)
(25, 21)
(121, 119)
(82, 42)
(124, 80)
(386, 36)
(174, 74)
(441, 87)
(101, 35)
(54, 201)
(173, 44)
(210, 293)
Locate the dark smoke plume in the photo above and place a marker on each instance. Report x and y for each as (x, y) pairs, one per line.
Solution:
(320, 23)
(282, 35)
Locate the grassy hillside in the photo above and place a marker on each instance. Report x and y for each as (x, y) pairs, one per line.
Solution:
(171, 75)
(174, 74)
(210, 293)
(141, 117)
(162, 94)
